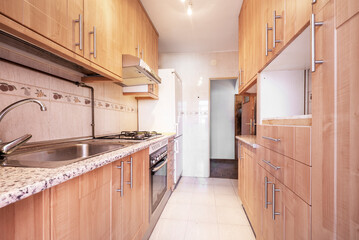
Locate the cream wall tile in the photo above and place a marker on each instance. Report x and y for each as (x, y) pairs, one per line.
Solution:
(69, 112)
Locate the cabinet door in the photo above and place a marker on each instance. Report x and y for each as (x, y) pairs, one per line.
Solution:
(55, 20)
(95, 204)
(278, 25)
(27, 219)
(268, 228)
(348, 129)
(127, 32)
(297, 17)
(13, 9)
(293, 215)
(323, 126)
(135, 215)
(241, 46)
(344, 10)
(117, 199)
(101, 34)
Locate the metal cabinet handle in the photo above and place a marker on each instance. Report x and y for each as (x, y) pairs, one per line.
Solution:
(270, 164)
(267, 29)
(266, 182)
(121, 189)
(272, 139)
(94, 42)
(275, 17)
(131, 178)
(273, 200)
(80, 43)
(314, 24)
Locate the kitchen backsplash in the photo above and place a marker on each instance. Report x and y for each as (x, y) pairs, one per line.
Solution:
(68, 106)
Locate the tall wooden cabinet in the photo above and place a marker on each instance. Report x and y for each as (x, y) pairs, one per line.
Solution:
(335, 115)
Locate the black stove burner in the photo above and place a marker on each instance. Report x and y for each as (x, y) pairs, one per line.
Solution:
(133, 135)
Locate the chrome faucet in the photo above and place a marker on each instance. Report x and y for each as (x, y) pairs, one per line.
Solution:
(9, 147)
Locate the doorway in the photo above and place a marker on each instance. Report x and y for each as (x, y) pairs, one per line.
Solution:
(222, 129)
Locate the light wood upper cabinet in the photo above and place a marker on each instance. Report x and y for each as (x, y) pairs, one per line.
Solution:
(27, 219)
(102, 34)
(56, 20)
(13, 9)
(297, 16)
(344, 10)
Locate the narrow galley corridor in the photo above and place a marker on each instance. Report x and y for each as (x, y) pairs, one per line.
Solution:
(203, 208)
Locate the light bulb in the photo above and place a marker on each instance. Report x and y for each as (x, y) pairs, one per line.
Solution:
(183, 1)
(189, 9)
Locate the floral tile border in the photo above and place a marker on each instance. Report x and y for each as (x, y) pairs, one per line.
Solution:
(28, 91)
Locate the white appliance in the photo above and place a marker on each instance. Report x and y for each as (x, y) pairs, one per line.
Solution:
(165, 115)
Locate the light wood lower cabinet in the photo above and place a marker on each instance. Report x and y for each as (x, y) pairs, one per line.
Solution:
(130, 209)
(284, 214)
(81, 207)
(170, 164)
(27, 219)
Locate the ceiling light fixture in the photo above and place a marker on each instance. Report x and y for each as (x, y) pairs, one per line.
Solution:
(183, 1)
(189, 9)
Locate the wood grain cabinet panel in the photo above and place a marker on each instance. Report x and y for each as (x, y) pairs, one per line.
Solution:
(297, 17)
(302, 151)
(26, 219)
(12, 9)
(344, 10)
(55, 20)
(101, 34)
(348, 129)
(323, 148)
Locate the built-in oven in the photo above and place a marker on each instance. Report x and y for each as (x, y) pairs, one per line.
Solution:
(158, 172)
(159, 194)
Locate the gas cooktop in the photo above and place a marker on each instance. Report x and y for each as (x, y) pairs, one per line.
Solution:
(133, 135)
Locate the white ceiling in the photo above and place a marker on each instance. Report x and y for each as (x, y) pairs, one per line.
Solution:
(213, 26)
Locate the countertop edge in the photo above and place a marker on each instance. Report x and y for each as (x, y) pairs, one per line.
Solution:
(68, 172)
(246, 139)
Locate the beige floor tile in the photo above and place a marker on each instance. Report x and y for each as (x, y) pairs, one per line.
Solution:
(176, 211)
(235, 232)
(231, 215)
(203, 213)
(181, 197)
(202, 231)
(203, 198)
(169, 229)
(202, 181)
(227, 201)
(202, 188)
(220, 181)
(185, 187)
(188, 180)
(224, 190)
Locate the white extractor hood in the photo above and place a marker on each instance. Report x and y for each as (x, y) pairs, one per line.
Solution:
(136, 72)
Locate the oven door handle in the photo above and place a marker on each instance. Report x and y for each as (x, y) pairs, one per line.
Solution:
(160, 166)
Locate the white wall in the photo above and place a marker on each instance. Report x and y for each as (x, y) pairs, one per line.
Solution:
(280, 94)
(195, 70)
(222, 118)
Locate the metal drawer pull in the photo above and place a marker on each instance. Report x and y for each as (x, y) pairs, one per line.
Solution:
(80, 32)
(273, 205)
(94, 42)
(314, 24)
(266, 182)
(314, 1)
(270, 164)
(131, 179)
(121, 189)
(267, 29)
(275, 17)
(272, 139)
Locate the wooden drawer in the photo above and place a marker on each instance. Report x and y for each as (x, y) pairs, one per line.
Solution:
(303, 145)
(277, 138)
(293, 174)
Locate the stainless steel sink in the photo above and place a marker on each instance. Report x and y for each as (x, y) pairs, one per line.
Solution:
(62, 154)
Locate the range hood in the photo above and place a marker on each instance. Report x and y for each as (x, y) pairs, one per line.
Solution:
(136, 72)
